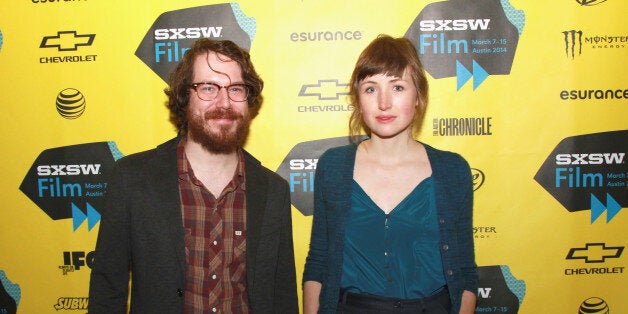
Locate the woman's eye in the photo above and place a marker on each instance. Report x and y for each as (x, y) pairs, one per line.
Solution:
(398, 88)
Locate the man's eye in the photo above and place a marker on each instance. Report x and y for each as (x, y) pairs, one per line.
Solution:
(207, 87)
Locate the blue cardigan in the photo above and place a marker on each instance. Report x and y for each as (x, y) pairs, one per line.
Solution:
(454, 201)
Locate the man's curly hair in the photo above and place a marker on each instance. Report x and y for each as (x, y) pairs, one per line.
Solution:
(178, 90)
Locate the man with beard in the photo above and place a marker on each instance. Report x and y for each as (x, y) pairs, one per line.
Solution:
(198, 224)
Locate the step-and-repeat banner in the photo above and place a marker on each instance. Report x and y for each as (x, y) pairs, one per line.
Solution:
(533, 93)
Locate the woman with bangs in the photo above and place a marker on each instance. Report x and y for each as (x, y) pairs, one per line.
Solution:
(392, 228)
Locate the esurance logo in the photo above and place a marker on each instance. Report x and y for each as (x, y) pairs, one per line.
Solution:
(588, 172)
(467, 39)
(69, 182)
(323, 96)
(67, 41)
(299, 167)
(498, 290)
(174, 32)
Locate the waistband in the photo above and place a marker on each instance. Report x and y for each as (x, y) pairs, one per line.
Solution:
(375, 301)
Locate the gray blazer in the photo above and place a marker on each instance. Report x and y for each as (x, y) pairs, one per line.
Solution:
(141, 233)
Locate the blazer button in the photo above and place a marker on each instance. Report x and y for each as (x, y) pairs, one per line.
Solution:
(180, 292)
(445, 247)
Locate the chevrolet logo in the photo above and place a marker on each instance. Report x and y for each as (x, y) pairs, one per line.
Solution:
(324, 89)
(67, 41)
(595, 252)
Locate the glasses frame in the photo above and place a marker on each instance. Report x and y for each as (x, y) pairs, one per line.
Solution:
(195, 86)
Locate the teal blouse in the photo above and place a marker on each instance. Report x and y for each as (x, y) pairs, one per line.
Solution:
(397, 254)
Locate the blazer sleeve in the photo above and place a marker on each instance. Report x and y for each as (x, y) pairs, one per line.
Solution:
(286, 299)
(108, 288)
(464, 228)
(316, 262)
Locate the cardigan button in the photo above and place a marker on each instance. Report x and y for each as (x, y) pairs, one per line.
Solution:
(445, 247)
(180, 292)
(441, 221)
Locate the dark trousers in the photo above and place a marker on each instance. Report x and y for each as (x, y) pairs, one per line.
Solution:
(353, 303)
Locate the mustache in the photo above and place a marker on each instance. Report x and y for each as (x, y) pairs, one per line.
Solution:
(223, 114)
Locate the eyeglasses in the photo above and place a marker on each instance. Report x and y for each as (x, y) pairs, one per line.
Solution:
(209, 91)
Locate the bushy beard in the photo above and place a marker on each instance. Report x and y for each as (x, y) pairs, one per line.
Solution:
(224, 141)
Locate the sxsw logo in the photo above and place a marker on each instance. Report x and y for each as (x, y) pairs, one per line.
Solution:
(324, 90)
(67, 41)
(70, 182)
(595, 252)
(588, 172)
(484, 293)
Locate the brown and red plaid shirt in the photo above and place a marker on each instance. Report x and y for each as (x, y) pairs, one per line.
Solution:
(215, 241)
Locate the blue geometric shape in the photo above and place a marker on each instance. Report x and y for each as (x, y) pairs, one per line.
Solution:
(479, 75)
(93, 217)
(462, 74)
(597, 208)
(247, 23)
(612, 206)
(77, 217)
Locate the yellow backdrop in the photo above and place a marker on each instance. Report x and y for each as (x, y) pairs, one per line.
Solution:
(544, 131)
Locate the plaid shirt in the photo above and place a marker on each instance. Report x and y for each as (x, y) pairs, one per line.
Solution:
(215, 241)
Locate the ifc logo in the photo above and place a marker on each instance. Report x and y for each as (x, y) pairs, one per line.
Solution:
(70, 103)
(594, 305)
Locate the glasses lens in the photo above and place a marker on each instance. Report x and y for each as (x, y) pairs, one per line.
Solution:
(238, 92)
(207, 91)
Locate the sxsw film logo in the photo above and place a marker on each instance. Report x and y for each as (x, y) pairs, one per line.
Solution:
(324, 96)
(10, 295)
(588, 172)
(467, 39)
(69, 182)
(299, 167)
(498, 290)
(174, 32)
(67, 41)
(75, 260)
